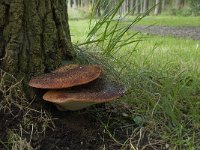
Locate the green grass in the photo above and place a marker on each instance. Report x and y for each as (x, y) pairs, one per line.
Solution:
(169, 20)
(75, 14)
(163, 76)
(79, 30)
(160, 20)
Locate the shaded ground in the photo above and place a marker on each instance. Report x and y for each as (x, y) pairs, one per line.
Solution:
(80, 130)
(72, 130)
(183, 32)
(96, 128)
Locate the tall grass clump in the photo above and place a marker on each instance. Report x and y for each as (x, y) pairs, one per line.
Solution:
(162, 102)
(108, 36)
(108, 33)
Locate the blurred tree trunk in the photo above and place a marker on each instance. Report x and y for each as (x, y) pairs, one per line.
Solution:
(70, 2)
(97, 7)
(137, 6)
(157, 7)
(75, 5)
(126, 6)
(129, 5)
(179, 4)
(34, 37)
(146, 6)
(163, 4)
(122, 8)
(141, 6)
(79, 3)
(132, 6)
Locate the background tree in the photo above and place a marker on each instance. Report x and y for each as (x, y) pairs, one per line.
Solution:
(195, 7)
(163, 4)
(179, 4)
(141, 6)
(157, 7)
(132, 6)
(34, 37)
(70, 3)
(146, 5)
(137, 6)
(75, 3)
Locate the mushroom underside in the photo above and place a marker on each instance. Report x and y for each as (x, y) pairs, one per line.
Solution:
(73, 106)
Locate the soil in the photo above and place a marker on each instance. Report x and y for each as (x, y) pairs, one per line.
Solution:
(78, 130)
(181, 32)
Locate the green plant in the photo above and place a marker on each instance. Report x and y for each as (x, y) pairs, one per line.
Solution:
(108, 32)
(195, 7)
(162, 74)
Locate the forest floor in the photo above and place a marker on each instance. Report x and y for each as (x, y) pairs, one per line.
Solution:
(181, 32)
(80, 130)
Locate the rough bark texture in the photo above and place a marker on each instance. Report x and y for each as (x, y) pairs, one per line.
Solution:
(34, 36)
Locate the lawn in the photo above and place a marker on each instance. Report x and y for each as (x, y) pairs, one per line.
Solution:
(162, 74)
(169, 20)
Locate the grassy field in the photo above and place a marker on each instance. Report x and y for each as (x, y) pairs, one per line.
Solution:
(160, 20)
(162, 74)
(169, 21)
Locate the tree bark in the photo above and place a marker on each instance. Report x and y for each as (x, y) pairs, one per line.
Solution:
(157, 8)
(34, 37)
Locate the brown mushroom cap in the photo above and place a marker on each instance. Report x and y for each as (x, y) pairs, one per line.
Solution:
(67, 76)
(66, 68)
(98, 91)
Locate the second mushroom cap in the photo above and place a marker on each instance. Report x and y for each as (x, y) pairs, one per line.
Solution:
(98, 91)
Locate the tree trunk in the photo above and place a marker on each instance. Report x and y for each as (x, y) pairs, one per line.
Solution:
(132, 6)
(34, 37)
(70, 2)
(157, 7)
(141, 6)
(163, 4)
(146, 6)
(75, 4)
(79, 3)
(179, 4)
(137, 7)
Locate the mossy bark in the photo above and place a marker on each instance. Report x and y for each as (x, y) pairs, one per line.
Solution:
(34, 36)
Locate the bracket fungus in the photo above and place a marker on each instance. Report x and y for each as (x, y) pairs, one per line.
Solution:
(74, 87)
(76, 98)
(67, 76)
